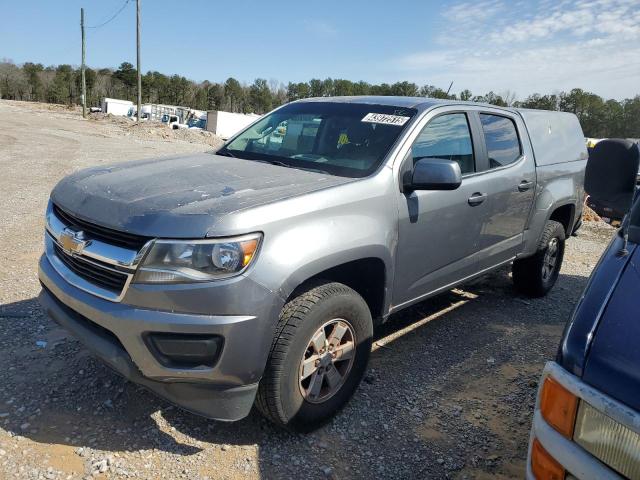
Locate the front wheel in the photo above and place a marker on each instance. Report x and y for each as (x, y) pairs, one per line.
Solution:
(318, 357)
(536, 275)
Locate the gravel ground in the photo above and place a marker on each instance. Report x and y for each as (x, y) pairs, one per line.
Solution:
(449, 393)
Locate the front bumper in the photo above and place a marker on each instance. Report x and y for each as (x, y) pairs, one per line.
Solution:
(115, 332)
(577, 462)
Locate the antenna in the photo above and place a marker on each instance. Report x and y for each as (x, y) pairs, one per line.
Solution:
(449, 89)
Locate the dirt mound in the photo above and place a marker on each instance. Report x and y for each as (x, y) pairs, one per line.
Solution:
(157, 131)
(589, 215)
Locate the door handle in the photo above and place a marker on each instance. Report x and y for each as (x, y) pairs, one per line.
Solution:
(477, 198)
(525, 185)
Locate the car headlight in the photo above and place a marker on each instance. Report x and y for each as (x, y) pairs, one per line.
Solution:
(609, 441)
(186, 261)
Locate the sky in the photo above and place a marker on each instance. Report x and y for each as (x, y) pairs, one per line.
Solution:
(515, 46)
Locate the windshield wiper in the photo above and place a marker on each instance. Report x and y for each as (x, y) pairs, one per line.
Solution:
(225, 153)
(297, 167)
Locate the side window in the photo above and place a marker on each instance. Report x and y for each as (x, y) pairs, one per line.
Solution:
(501, 138)
(447, 136)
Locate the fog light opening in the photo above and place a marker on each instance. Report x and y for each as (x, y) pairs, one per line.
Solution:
(180, 350)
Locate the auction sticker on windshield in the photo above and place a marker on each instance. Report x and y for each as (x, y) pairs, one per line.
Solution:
(385, 119)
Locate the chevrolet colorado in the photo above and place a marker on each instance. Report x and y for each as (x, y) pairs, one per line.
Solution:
(257, 274)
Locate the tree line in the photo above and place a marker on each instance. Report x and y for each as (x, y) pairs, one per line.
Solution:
(61, 84)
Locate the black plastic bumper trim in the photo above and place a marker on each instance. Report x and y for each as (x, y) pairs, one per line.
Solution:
(207, 400)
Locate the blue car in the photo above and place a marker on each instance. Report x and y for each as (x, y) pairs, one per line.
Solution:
(586, 422)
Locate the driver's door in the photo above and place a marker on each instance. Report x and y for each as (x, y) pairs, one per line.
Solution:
(439, 231)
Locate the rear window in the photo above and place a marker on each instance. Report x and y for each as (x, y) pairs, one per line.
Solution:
(344, 139)
(501, 138)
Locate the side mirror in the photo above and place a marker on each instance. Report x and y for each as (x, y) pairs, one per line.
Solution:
(433, 174)
(610, 176)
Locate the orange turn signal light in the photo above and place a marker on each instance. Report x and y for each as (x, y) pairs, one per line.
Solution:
(558, 406)
(543, 465)
(249, 248)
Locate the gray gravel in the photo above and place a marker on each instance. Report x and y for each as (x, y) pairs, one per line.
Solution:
(449, 392)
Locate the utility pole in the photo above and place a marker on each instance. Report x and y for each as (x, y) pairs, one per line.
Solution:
(84, 83)
(138, 48)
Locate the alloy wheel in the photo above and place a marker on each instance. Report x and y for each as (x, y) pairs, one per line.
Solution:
(327, 360)
(550, 261)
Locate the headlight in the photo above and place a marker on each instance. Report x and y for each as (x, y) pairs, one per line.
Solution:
(609, 441)
(185, 261)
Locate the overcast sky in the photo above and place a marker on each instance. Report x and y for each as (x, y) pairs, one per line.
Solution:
(521, 46)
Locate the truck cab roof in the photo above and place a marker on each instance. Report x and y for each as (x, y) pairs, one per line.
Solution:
(419, 103)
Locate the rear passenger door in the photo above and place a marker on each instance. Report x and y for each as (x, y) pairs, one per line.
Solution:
(510, 180)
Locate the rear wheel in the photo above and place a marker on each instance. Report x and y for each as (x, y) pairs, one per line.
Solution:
(536, 275)
(318, 357)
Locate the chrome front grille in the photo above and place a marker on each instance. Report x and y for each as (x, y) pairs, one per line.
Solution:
(97, 232)
(95, 259)
(93, 271)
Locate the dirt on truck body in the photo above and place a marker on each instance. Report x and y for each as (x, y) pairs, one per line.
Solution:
(449, 390)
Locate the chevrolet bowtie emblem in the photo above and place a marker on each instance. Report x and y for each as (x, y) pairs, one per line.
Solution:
(72, 242)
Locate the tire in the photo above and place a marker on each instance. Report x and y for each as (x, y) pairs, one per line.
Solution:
(283, 397)
(536, 275)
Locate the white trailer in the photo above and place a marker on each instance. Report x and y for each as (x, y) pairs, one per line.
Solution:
(115, 106)
(226, 124)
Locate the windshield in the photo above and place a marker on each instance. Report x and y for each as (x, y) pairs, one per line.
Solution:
(343, 139)
(197, 123)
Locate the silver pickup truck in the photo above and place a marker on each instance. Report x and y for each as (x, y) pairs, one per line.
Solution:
(257, 274)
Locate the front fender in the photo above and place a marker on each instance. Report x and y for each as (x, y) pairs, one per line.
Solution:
(306, 249)
(319, 265)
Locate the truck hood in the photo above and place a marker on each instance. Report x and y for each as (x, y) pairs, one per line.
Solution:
(180, 197)
(613, 361)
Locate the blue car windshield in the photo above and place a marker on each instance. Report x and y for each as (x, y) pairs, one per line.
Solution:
(345, 139)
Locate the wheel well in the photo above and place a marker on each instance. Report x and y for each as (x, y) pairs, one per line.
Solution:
(564, 215)
(366, 276)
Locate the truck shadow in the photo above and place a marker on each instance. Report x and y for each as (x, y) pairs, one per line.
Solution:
(54, 392)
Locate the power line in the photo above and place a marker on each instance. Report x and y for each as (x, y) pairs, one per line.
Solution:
(113, 16)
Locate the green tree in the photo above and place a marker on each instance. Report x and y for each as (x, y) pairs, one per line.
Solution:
(405, 89)
(61, 89)
(589, 108)
(296, 91)
(466, 95)
(234, 95)
(434, 92)
(361, 88)
(542, 102)
(383, 89)
(316, 88)
(491, 98)
(32, 72)
(260, 97)
(327, 87)
(127, 74)
(178, 90)
(614, 119)
(342, 88)
(631, 117)
(215, 97)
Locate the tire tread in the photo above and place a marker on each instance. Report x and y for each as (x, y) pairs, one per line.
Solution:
(291, 317)
(526, 275)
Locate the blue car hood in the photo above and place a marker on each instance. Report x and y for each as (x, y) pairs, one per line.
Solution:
(613, 360)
